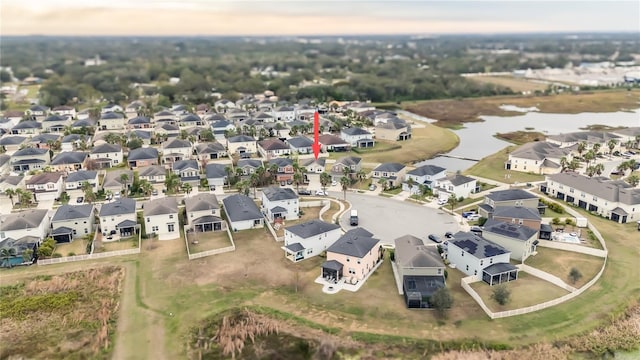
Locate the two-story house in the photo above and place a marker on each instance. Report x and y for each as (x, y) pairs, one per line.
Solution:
(176, 149)
(115, 182)
(37, 112)
(111, 108)
(111, 121)
(509, 197)
(107, 155)
(74, 142)
(476, 256)
(203, 213)
(353, 163)
(424, 175)
(357, 137)
(420, 271)
(118, 216)
(66, 111)
(55, 123)
(529, 217)
(457, 185)
(44, 141)
(46, 186)
(75, 179)
(393, 173)
(539, 157)
(520, 240)
(393, 129)
(280, 203)
(188, 171)
(284, 169)
(161, 218)
(309, 239)
(248, 166)
(216, 175)
(313, 166)
(72, 221)
(142, 157)
(242, 213)
(29, 127)
(191, 120)
(69, 161)
(29, 223)
(352, 257)
(11, 144)
(28, 159)
(155, 174)
(210, 151)
(242, 144)
(139, 122)
(300, 145)
(272, 148)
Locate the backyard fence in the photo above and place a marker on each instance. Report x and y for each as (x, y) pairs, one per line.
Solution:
(223, 250)
(546, 277)
(572, 247)
(88, 256)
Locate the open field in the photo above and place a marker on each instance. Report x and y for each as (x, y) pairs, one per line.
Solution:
(559, 263)
(515, 84)
(76, 247)
(492, 167)
(527, 290)
(452, 113)
(521, 137)
(70, 315)
(425, 143)
(207, 241)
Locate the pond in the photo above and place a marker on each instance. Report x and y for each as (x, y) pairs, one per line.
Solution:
(477, 140)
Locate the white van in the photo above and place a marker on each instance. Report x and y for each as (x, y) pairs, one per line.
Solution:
(353, 219)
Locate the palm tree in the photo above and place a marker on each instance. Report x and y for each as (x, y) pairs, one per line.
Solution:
(146, 187)
(298, 178)
(243, 187)
(229, 171)
(172, 182)
(596, 148)
(325, 180)
(345, 182)
(573, 165)
(273, 172)
(254, 180)
(589, 155)
(260, 171)
(453, 201)
(383, 183)
(11, 193)
(633, 180)
(7, 254)
(611, 144)
(26, 197)
(186, 187)
(124, 178)
(361, 174)
(410, 183)
(563, 163)
(346, 171)
(582, 146)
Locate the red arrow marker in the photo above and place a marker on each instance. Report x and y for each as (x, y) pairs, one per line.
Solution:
(316, 134)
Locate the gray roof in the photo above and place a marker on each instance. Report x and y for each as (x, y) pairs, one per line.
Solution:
(190, 117)
(273, 144)
(152, 170)
(143, 154)
(499, 268)
(11, 180)
(328, 139)
(210, 148)
(477, 245)
(516, 212)
(4, 158)
(69, 157)
(83, 123)
(393, 124)
(126, 224)
(275, 193)
(75, 137)
(206, 220)
(631, 131)
(161, 206)
(281, 162)
(389, 167)
(118, 207)
(55, 117)
(111, 116)
(332, 265)
(355, 243)
(600, 187)
(44, 178)
(44, 138)
(426, 170)
(215, 171)
(349, 160)
(112, 178)
(311, 228)
(510, 195)
(411, 252)
(355, 131)
(308, 162)
(62, 230)
(30, 152)
(12, 140)
(300, 142)
(240, 207)
(82, 175)
(176, 144)
(27, 125)
(169, 127)
(539, 150)
(185, 164)
(106, 148)
(295, 247)
(142, 134)
(221, 124)
(240, 138)
(588, 136)
(457, 179)
(254, 163)
(28, 219)
(514, 231)
(70, 212)
(201, 201)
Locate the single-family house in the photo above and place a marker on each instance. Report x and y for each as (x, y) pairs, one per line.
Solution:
(509, 197)
(520, 240)
(284, 113)
(203, 110)
(29, 127)
(83, 124)
(165, 115)
(11, 144)
(176, 149)
(188, 171)
(332, 143)
(242, 212)
(139, 122)
(45, 186)
(169, 130)
(203, 213)
(280, 203)
(263, 117)
(55, 123)
(272, 148)
(44, 141)
(242, 144)
(589, 137)
(110, 108)
(220, 127)
(11, 182)
(37, 112)
(540, 157)
(111, 121)
(32, 222)
(210, 151)
(72, 221)
(393, 173)
(74, 142)
(613, 199)
(161, 218)
(353, 163)
(75, 179)
(114, 181)
(357, 137)
(309, 239)
(393, 129)
(69, 161)
(520, 215)
(118, 217)
(191, 120)
(133, 109)
(285, 170)
(424, 175)
(216, 175)
(223, 105)
(142, 135)
(28, 159)
(155, 174)
(84, 114)
(67, 111)
(141, 157)
(352, 257)
(420, 271)
(313, 166)
(300, 145)
(248, 166)
(476, 256)
(107, 155)
(455, 184)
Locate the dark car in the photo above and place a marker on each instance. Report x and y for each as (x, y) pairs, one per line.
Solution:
(448, 235)
(304, 192)
(80, 200)
(434, 238)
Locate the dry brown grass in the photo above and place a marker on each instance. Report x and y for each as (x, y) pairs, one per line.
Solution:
(521, 137)
(536, 352)
(559, 263)
(309, 213)
(515, 84)
(207, 241)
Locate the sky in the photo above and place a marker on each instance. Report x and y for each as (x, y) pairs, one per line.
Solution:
(313, 17)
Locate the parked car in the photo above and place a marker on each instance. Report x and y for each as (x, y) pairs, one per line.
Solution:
(304, 192)
(334, 183)
(321, 193)
(79, 200)
(473, 217)
(468, 213)
(442, 201)
(372, 187)
(435, 238)
(154, 192)
(448, 235)
(476, 230)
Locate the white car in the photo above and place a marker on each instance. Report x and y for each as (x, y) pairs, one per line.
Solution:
(442, 201)
(321, 193)
(473, 217)
(334, 183)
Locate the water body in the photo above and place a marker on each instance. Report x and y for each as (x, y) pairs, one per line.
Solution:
(477, 140)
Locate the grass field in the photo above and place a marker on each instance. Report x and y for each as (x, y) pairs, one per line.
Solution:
(123, 244)
(559, 263)
(515, 84)
(492, 167)
(310, 213)
(451, 113)
(76, 247)
(207, 241)
(521, 137)
(527, 290)
(425, 143)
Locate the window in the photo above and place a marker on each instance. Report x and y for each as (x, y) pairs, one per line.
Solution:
(358, 261)
(257, 222)
(520, 221)
(170, 216)
(475, 272)
(352, 271)
(481, 262)
(148, 219)
(467, 267)
(86, 231)
(348, 260)
(439, 271)
(154, 228)
(74, 231)
(491, 261)
(462, 254)
(309, 251)
(170, 227)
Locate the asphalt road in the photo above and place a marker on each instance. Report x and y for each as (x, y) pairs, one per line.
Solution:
(389, 219)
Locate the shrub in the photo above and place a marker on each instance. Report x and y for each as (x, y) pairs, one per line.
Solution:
(569, 222)
(501, 294)
(482, 221)
(574, 275)
(71, 253)
(555, 221)
(56, 255)
(441, 300)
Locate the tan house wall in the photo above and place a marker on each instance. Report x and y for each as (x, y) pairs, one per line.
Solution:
(366, 265)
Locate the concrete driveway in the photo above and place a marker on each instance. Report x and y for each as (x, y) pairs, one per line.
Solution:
(389, 219)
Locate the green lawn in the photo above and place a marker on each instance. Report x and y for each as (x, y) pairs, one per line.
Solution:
(559, 263)
(492, 167)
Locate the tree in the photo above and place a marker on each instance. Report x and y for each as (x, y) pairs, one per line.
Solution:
(325, 180)
(452, 201)
(582, 146)
(172, 182)
(441, 300)
(46, 248)
(146, 187)
(206, 135)
(633, 180)
(298, 178)
(501, 294)
(27, 255)
(574, 275)
(611, 144)
(361, 174)
(6, 254)
(186, 187)
(588, 156)
(26, 197)
(11, 193)
(383, 183)
(596, 148)
(345, 182)
(124, 179)
(89, 194)
(243, 187)
(254, 180)
(573, 165)
(410, 183)
(134, 143)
